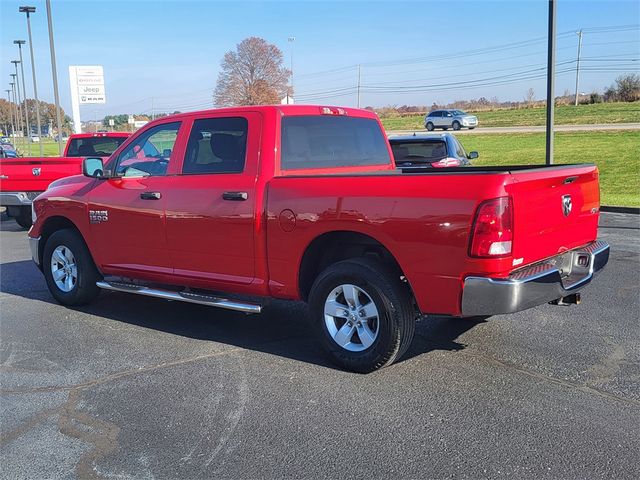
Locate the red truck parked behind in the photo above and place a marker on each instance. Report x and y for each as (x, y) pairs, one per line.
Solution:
(23, 179)
(305, 203)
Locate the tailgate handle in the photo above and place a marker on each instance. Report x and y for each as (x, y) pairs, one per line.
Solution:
(235, 196)
(569, 180)
(150, 196)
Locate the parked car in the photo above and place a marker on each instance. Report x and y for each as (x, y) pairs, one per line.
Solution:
(424, 150)
(25, 178)
(447, 119)
(34, 138)
(305, 203)
(7, 151)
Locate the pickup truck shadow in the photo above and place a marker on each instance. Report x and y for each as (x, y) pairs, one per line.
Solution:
(283, 328)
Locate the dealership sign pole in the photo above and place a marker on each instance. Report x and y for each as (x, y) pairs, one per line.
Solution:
(87, 86)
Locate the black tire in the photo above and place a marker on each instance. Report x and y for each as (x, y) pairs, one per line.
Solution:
(397, 315)
(84, 289)
(456, 125)
(429, 126)
(23, 217)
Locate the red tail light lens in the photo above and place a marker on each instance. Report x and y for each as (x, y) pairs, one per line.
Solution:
(492, 233)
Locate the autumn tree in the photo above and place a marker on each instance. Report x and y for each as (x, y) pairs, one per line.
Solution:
(6, 120)
(253, 74)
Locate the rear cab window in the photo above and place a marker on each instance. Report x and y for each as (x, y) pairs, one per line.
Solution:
(416, 152)
(323, 142)
(94, 146)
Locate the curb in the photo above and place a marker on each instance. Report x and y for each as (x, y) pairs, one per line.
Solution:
(632, 210)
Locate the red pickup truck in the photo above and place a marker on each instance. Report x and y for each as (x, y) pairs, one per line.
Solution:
(23, 179)
(222, 207)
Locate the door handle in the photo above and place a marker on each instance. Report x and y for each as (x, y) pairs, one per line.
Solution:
(150, 196)
(235, 196)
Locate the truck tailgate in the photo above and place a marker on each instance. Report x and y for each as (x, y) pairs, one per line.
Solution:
(555, 209)
(35, 174)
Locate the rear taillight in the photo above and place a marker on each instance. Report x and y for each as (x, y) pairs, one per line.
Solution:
(492, 233)
(446, 162)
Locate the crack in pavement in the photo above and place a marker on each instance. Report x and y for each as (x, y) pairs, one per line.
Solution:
(565, 383)
(102, 435)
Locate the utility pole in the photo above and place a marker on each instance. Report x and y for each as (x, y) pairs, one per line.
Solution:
(551, 73)
(28, 11)
(24, 92)
(13, 126)
(359, 86)
(54, 73)
(153, 113)
(578, 63)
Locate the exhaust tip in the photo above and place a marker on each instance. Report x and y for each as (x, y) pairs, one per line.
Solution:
(573, 299)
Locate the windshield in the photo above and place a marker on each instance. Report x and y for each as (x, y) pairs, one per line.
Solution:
(459, 113)
(414, 152)
(94, 146)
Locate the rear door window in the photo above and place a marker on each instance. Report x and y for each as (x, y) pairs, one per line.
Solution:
(216, 145)
(332, 141)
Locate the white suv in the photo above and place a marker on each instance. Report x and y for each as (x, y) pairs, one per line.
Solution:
(447, 119)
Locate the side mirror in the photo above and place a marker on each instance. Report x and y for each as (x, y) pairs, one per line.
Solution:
(473, 155)
(92, 167)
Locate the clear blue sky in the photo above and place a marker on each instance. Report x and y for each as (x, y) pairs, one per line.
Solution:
(171, 50)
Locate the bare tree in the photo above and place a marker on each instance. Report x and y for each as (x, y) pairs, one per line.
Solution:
(531, 95)
(253, 74)
(628, 87)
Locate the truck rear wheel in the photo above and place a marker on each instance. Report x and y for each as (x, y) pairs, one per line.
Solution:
(68, 269)
(363, 314)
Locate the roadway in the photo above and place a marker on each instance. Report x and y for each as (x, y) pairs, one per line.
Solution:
(135, 387)
(532, 129)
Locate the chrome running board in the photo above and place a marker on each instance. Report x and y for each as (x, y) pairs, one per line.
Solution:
(189, 297)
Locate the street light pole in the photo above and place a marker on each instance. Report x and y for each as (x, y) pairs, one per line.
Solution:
(28, 11)
(16, 79)
(13, 125)
(24, 92)
(14, 108)
(551, 72)
(290, 94)
(55, 77)
(359, 86)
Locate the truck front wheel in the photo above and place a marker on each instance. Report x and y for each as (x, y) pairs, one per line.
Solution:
(363, 314)
(68, 268)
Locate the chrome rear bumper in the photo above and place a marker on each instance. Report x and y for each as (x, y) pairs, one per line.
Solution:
(544, 282)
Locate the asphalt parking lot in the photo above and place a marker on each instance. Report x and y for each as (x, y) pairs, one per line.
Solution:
(134, 387)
